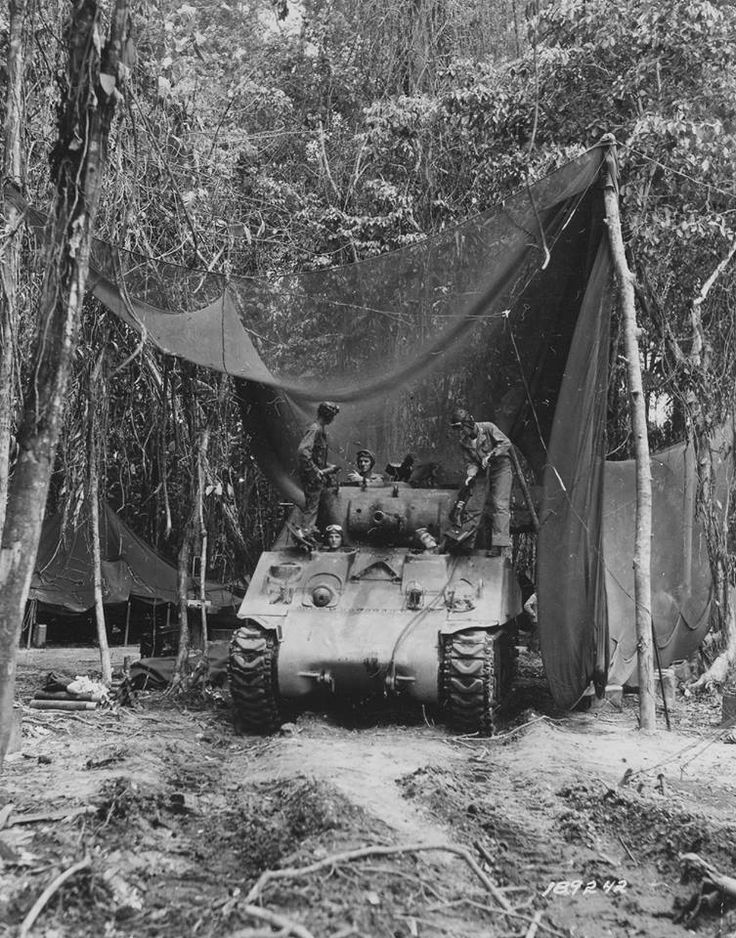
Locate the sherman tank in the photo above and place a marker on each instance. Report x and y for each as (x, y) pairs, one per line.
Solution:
(387, 614)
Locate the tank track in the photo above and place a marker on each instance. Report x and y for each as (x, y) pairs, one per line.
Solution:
(252, 669)
(476, 671)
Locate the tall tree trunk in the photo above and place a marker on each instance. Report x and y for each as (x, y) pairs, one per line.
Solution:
(713, 513)
(93, 500)
(78, 159)
(195, 530)
(643, 538)
(183, 561)
(12, 168)
(201, 454)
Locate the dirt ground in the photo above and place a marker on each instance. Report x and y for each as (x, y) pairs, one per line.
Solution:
(561, 824)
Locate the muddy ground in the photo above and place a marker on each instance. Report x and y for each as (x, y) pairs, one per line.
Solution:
(562, 824)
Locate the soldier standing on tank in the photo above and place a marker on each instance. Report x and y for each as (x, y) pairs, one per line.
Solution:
(488, 479)
(315, 473)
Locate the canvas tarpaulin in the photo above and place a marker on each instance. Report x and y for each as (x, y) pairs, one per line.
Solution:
(64, 575)
(484, 311)
(681, 579)
(570, 536)
(506, 313)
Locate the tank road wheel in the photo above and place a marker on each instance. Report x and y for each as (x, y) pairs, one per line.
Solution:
(468, 680)
(253, 680)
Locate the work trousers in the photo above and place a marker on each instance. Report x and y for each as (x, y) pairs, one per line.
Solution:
(489, 505)
(312, 496)
(319, 504)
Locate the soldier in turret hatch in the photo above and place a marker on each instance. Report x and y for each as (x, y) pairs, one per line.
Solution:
(363, 473)
(333, 537)
(316, 475)
(488, 479)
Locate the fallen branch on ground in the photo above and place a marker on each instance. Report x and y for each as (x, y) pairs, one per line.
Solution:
(273, 918)
(417, 880)
(53, 886)
(714, 886)
(626, 848)
(532, 930)
(265, 932)
(486, 908)
(726, 884)
(378, 851)
(5, 814)
(66, 815)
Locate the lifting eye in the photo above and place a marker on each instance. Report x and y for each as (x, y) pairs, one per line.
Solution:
(322, 595)
(414, 596)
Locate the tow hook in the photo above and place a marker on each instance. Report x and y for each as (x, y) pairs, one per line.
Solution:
(393, 681)
(320, 677)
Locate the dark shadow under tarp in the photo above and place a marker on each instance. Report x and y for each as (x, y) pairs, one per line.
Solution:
(156, 673)
(63, 575)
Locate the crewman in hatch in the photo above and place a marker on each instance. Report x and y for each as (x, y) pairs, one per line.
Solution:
(316, 475)
(333, 537)
(488, 479)
(363, 473)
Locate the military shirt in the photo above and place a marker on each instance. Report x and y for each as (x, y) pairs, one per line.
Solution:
(488, 440)
(372, 479)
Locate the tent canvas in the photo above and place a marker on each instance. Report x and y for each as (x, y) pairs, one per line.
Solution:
(681, 577)
(63, 575)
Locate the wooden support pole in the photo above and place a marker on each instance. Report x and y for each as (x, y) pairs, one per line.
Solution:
(643, 538)
(32, 616)
(127, 623)
(93, 497)
(525, 489)
(153, 632)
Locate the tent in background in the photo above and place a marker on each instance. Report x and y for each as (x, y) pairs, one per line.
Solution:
(131, 569)
(681, 576)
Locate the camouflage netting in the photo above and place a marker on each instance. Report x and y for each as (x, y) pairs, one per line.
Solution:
(484, 312)
(507, 313)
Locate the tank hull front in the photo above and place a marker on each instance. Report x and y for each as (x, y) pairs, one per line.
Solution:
(355, 654)
(385, 614)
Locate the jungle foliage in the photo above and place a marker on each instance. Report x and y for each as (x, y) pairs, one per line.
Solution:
(258, 137)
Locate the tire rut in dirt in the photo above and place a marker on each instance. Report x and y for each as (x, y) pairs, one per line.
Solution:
(252, 669)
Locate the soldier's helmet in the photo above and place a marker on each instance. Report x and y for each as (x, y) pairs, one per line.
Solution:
(461, 417)
(328, 409)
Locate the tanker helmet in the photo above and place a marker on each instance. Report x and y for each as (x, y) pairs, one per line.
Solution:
(333, 536)
(328, 410)
(365, 454)
(461, 417)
